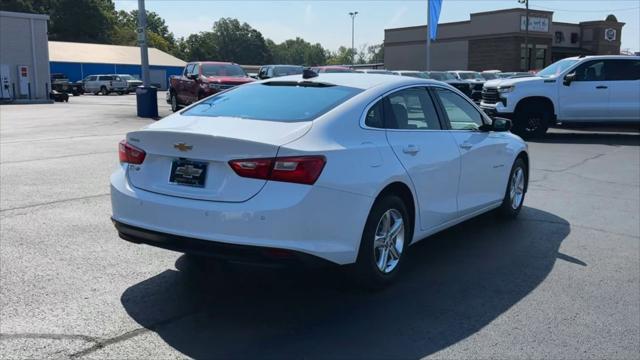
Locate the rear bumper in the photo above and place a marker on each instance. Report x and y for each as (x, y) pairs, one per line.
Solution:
(228, 252)
(313, 220)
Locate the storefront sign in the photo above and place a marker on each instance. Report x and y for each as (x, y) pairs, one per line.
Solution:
(539, 24)
(610, 34)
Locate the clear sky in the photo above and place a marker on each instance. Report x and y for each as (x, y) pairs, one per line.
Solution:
(327, 22)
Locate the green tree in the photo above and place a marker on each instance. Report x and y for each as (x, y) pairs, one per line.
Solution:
(158, 34)
(343, 56)
(298, 52)
(81, 21)
(71, 20)
(239, 43)
(376, 53)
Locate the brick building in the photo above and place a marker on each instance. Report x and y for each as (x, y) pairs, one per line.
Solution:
(496, 40)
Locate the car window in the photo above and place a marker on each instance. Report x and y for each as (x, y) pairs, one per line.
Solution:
(222, 70)
(188, 69)
(620, 70)
(285, 101)
(374, 116)
(590, 71)
(411, 109)
(461, 114)
(106, 77)
(92, 78)
(195, 70)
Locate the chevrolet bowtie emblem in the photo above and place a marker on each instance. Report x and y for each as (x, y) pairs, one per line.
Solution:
(183, 146)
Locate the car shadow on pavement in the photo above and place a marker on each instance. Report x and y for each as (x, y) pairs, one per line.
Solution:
(453, 284)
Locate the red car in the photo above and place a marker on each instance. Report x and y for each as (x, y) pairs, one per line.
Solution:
(201, 79)
(332, 69)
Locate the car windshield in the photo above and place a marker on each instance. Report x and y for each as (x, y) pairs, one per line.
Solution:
(557, 68)
(127, 77)
(222, 70)
(441, 76)
(287, 70)
(470, 76)
(489, 76)
(274, 101)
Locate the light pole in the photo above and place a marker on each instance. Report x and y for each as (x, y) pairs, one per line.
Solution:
(146, 95)
(527, 55)
(353, 49)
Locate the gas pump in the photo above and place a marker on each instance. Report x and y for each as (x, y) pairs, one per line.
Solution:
(5, 82)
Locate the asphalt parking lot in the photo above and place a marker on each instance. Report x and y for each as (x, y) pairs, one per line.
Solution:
(561, 282)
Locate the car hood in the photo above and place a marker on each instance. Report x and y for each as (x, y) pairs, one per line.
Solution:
(510, 82)
(229, 79)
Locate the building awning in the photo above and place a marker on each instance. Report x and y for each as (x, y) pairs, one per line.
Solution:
(60, 51)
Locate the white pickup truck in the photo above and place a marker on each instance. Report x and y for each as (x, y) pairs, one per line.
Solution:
(599, 89)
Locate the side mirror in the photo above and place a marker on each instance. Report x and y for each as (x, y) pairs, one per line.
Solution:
(569, 78)
(193, 76)
(501, 124)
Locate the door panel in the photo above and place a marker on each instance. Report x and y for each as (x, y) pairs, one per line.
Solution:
(624, 89)
(484, 156)
(428, 153)
(587, 97)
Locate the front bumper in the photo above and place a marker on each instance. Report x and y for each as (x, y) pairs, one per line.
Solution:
(312, 220)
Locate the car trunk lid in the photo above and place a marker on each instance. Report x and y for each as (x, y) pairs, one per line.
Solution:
(187, 156)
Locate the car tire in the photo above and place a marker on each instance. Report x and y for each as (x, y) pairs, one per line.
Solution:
(377, 266)
(531, 122)
(515, 192)
(174, 102)
(104, 91)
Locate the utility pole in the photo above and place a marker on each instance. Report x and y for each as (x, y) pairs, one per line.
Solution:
(146, 95)
(428, 36)
(353, 49)
(527, 54)
(142, 40)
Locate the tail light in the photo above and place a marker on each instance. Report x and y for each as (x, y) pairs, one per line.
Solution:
(295, 169)
(130, 154)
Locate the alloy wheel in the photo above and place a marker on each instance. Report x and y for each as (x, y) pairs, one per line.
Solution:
(388, 243)
(516, 192)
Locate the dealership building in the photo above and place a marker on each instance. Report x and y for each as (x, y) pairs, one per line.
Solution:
(78, 60)
(496, 40)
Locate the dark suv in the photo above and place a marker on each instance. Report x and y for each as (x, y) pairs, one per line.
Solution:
(271, 71)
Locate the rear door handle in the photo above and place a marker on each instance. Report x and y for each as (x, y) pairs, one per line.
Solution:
(411, 149)
(602, 87)
(466, 146)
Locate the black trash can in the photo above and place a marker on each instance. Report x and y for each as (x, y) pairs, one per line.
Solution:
(147, 101)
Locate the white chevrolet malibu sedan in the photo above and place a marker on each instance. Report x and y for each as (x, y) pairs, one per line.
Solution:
(339, 168)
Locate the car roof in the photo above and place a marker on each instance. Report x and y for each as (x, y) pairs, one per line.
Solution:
(357, 80)
(213, 62)
(603, 57)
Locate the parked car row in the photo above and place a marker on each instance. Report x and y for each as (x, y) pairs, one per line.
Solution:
(103, 84)
(541, 99)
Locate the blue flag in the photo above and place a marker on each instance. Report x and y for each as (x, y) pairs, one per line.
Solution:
(434, 14)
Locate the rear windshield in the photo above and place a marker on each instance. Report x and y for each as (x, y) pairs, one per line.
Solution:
(274, 101)
(222, 70)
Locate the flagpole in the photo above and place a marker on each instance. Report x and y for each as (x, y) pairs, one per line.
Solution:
(428, 36)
